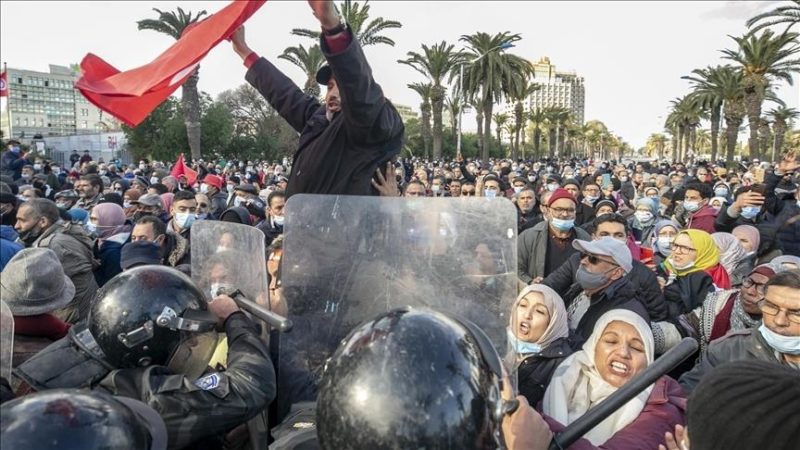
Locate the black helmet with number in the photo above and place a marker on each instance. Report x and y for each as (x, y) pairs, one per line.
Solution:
(411, 378)
(72, 419)
(151, 315)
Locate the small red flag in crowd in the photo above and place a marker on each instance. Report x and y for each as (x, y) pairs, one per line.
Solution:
(4, 84)
(132, 95)
(181, 169)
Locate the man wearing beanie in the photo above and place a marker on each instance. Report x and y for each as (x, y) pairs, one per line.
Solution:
(544, 247)
(777, 340)
(746, 405)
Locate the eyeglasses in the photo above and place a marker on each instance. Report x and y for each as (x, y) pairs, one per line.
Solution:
(748, 283)
(677, 248)
(773, 310)
(563, 211)
(202, 205)
(594, 259)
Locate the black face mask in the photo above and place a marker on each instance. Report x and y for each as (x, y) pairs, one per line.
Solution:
(30, 236)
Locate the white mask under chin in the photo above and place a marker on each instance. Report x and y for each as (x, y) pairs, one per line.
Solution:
(329, 115)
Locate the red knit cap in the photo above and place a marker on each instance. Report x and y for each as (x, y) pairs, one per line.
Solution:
(559, 194)
(213, 180)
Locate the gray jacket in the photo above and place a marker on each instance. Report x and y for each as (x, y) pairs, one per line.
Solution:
(736, 346)
(74, 249)
(532, 251)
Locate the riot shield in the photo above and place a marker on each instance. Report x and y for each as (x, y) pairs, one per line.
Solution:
(6, 340)
(230, 255)
(348, 259)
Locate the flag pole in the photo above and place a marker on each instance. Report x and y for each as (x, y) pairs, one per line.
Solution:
(8, 100)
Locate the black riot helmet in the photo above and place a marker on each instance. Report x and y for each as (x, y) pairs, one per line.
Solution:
(411, 378)
(72, 419)
(151, 315)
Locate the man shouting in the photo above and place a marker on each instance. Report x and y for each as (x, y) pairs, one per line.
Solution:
(345, 140)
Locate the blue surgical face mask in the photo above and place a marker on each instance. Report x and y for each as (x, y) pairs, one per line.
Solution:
(489, 193)
(691, 206)
(521, 347)
(788, 345)
(185, 220)
(592, 198)
(15, 149)
(749, 212)
(665, 244)
(552, 187)
(90, 227)
(721, 192)
(589, 280)
(562, 224)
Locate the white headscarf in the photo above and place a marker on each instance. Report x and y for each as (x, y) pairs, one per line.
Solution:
(558, 327)
(577, 385)
(731, 252)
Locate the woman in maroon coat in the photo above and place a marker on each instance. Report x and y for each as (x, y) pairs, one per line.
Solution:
(620, 347)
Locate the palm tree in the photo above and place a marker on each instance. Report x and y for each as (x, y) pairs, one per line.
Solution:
(562, 117)
(788, 14)
(424, 91)
(309, 60)
(763, 58)
(551, 115)
(174, 24)
(782, 118)
(500, 120)
(521, 89)
(357, 16)
(702, 141)
(452, 105)
(657, 141)
(707, 93)
(435, 62)
(686, 114)
(731, 90)
(491, 76)
(537, 119)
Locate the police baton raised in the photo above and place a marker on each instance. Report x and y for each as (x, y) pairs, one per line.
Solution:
(272, 319)
(623, 395)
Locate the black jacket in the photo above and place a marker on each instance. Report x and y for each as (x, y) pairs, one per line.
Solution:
(270, 231)
(340, 156)
(619, 295)
(534, 372)
(642, 279)
(687, 293)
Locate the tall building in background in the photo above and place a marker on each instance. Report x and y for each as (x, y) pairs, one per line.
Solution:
(47, 104)
(564, 89)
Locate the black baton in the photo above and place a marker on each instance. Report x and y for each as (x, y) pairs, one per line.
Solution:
(272, 319)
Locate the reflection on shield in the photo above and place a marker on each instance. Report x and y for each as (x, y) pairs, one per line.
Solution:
(6, 340)
(348, 259)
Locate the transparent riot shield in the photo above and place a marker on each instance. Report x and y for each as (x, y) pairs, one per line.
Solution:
(348, 259)
(6, 340)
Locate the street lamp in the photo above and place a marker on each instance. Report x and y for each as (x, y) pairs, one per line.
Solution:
(503, 46)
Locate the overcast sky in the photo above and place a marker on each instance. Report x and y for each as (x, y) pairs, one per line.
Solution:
(631, 54)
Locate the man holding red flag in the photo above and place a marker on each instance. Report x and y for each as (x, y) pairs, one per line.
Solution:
(344, 141)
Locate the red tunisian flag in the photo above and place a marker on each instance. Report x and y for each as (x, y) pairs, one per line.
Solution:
(181, 169)
(4, 84)
(132, 95)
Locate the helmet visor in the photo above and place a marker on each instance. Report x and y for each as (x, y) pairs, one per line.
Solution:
(193, 354)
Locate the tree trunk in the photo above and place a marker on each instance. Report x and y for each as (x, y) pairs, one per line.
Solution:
(519, 117)
(426, 128)
(753, 103)
(190, 100)
(674, 147)
(731, 132)
(537, 140)
(681, 132)
(479, 120)
(716, 113)
(487, 130)
(764, 138)
(551, 140)
(780, 132)
(437, 104)
(522, 140)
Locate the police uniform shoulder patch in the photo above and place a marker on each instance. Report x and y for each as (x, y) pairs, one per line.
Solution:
(208, 382)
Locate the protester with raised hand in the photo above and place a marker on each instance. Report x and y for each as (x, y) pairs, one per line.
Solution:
(345, 140)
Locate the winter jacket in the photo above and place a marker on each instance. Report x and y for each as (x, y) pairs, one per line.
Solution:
(788, 229)
(665, 408)
(728, 219)
(219, 203)
(271, 231)
(703, 219)
(8, 245)
(687, 292)
(532, 249)
(535, 371)
(74, 249)
(737, 346)
(339, 156)
(618, 295)
(584, 214)
(109, 254)
(11, 164)
(641, 277)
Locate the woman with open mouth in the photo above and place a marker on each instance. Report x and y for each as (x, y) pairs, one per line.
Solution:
(620, 347)
(538, 339)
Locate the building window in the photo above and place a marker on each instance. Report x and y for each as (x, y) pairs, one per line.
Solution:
(26, 121)
(84, 124)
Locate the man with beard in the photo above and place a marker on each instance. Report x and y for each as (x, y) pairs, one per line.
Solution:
(344, 141)
(90, 188)
(526, 208)
(39, 225)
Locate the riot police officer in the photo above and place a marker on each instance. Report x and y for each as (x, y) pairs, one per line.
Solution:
(150, 336)
(71, 419)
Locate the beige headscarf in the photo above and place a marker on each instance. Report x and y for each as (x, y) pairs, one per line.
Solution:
(577, 385)
(558, 327)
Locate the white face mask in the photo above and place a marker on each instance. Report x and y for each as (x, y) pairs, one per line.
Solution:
(643, 216)
(665, 242)
(204, 189)
(153, 180)
(279, 220)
